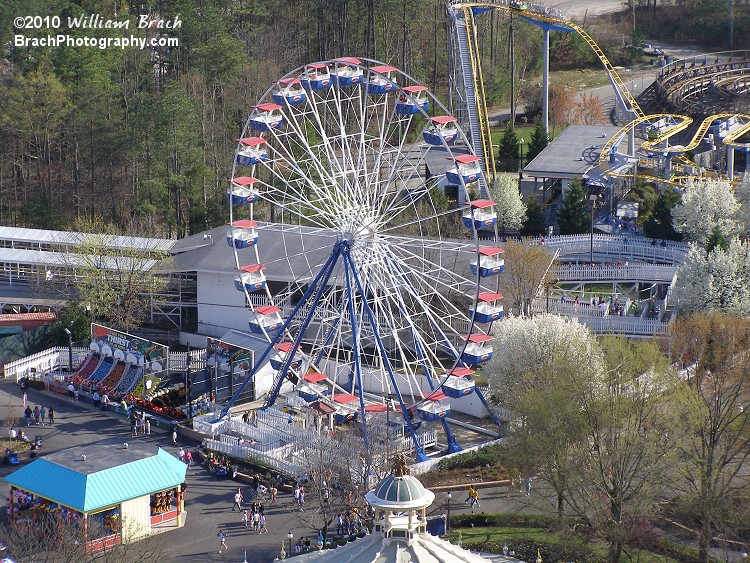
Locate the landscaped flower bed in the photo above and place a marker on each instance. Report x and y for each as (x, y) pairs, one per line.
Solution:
(164, 405)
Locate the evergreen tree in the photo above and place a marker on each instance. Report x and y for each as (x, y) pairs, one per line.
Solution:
(658, 225)
(539, 140)
(508, 150)
(716, 239)
(533, 224)
(573, 217)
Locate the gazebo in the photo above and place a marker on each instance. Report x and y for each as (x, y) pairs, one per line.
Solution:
(117, 492)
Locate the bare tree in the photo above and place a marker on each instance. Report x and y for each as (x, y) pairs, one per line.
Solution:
(526, 267)
(712, 351)
(115, 278)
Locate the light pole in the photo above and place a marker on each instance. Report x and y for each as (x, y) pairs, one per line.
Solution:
(592, 199)
(70, 349)
(520, 160)
(449, 496)
(290, 535)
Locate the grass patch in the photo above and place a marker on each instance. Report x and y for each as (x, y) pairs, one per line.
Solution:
(554, 545)
(521, 132)
(580, 79)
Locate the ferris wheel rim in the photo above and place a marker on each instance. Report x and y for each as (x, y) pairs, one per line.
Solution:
(320, 229)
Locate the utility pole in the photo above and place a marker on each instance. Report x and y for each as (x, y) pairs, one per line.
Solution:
(731, 24)
(512, 59)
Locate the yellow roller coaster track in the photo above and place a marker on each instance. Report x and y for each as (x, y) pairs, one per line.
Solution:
(481, 100)
(484, 123)
(682, 121)
(651, 145)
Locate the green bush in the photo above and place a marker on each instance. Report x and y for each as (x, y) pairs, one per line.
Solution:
(479, 458)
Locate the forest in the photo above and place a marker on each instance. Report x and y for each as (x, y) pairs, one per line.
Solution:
(143, 138)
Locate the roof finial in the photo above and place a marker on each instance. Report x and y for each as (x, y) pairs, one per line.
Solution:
(399, 466)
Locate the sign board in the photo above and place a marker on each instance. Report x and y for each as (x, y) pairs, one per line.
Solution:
(132, 349)
(222, 354)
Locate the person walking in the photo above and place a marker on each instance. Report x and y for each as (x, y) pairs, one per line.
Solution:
(181, 455)
(237, 500)
(474, 499)
(42, 414)
(527, 486)
(28, 414)
(105, 402)
(148, 426)
(244, 518)
(262, 525)
(274, 492)
(36, 415)
(51, 416)
(174, 436)
(189, 458)
(222, 541)
(470, 494)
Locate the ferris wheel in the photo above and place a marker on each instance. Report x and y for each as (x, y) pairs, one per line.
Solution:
(371, 197)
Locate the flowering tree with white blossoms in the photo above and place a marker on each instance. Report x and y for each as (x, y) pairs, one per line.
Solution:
(510, 208)
(716, 280)
(705, 205)
(742, 194)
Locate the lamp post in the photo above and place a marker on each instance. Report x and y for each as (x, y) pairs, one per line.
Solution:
(290, 535)
(520, 160)
(70, 349)
(449, 496)
(592, 199)
(188, 384)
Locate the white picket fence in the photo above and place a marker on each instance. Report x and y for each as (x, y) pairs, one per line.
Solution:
(613, 272)
(49, 360)
(247, 453)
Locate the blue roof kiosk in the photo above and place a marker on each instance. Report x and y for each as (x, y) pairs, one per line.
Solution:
(117, 492)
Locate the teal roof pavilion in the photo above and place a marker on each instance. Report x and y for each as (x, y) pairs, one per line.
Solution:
(95, 476)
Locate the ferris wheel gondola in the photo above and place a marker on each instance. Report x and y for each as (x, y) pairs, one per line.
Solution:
(383, 281)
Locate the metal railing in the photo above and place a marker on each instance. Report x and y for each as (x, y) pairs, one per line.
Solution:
(615, 272)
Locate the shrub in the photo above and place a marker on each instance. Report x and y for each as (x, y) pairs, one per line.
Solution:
(479, 458)
(505, 521)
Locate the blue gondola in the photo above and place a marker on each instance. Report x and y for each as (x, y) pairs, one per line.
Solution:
(311, 392)
(434, 409)
(266, 318)
(489, 262)
(242, 191)
(242, 234)
(381, 81)
(487, 310)
(290, 92)
(277, 361)
(343, 415)
(477, 350)
(266, 117)
(466, 171)
(412, 99)
(251, 278)
(441, 129)
(480, 215)
(458, 384)
(252, 151)
(347, 72)
(316, 77)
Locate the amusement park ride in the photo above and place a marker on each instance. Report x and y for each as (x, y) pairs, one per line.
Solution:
(716, 130)
(397, 313)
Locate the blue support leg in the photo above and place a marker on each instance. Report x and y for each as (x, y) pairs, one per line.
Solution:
(420, 455)
(492, 414)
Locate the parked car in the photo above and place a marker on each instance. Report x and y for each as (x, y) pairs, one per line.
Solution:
(652, 50)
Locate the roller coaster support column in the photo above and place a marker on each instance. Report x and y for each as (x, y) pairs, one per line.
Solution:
(667, 166)
(730, 163)
(631, 142)
(546, 28)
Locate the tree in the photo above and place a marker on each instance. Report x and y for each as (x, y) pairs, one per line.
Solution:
(717, 280)
(527, 267)
(714, 450)
(706, 204)
(588, 110)
(742, 194)
(510, 209)
(541, 360)
(534, 222)
(658, 224)
(562, 106)
(573, 216)
(508, 151)
(716, 240)
(538, 141)
(114, 280)
(628, 421)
